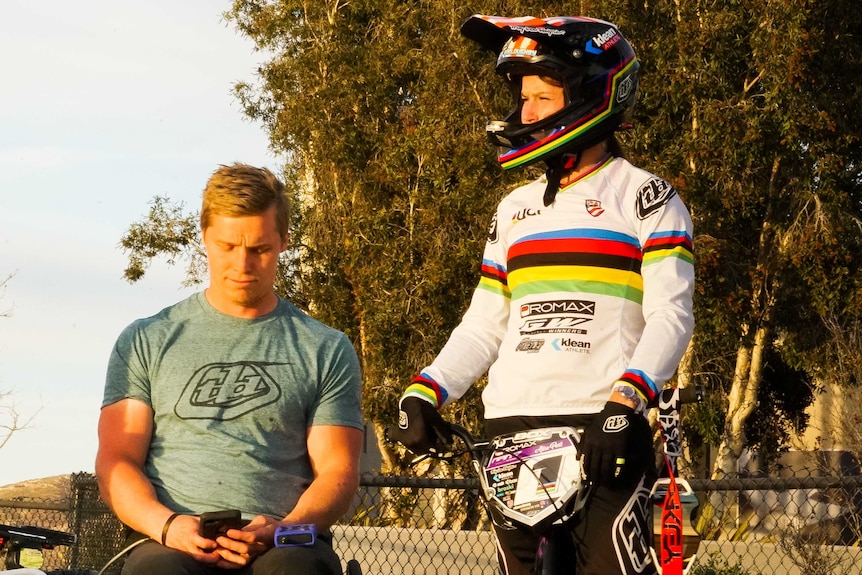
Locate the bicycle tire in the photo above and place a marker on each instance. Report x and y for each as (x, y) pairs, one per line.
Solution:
(353, 568)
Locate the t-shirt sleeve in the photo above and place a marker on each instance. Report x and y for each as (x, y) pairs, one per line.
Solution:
(339, 397)
(127, 376)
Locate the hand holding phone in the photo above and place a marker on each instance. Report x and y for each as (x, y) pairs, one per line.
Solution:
(215, 523)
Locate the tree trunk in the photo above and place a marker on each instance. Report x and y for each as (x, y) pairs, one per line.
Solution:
(748, 373)
(742, 400)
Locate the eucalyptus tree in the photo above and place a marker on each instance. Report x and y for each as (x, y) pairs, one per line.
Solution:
(752, 112)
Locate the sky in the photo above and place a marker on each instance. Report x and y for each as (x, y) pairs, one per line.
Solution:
(104, 104)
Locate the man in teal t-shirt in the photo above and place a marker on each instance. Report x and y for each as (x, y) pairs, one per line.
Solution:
(232, 399)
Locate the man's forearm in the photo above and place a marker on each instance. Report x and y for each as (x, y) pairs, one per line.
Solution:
(131, 497)
(325, 501)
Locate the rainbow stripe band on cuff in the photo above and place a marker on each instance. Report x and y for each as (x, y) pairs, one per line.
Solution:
(426, 389)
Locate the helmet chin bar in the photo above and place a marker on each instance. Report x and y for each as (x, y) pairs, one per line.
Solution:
(558, 164)
(511, 133)
(543, 139)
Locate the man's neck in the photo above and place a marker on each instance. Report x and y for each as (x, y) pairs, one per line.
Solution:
(242, 309)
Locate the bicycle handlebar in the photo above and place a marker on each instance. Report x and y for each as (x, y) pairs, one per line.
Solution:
(473, 444)
(690, 394)
(35, 537)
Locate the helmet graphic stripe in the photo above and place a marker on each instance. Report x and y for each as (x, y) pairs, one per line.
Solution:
(527, 154)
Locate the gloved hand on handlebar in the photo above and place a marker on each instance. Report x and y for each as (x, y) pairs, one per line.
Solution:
(615, 446)
(420, 427)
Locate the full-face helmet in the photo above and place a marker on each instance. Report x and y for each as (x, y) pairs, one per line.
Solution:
(596, 66)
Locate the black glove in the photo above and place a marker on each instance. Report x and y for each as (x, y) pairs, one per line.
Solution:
(420, 427)
(612, 448)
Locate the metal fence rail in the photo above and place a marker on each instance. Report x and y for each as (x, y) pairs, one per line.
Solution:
(411, 525)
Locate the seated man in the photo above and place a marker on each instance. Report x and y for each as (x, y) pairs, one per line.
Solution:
(232, 399)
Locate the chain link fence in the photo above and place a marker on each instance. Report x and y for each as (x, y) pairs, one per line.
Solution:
(408, 525)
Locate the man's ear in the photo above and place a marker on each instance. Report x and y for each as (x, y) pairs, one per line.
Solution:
(285, 242)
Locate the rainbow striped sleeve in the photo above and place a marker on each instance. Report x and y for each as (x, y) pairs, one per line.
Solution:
(672, 244)
(494, 278)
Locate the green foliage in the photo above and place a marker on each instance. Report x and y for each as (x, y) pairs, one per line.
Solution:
(747, 108)
(780, 413)
(721, 522)
(164, 231)
(716, 565)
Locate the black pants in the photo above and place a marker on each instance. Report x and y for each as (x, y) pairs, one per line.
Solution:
(151, 558)
(611, 534)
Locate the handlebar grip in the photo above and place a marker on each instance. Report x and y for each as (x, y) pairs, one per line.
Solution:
(690, 394)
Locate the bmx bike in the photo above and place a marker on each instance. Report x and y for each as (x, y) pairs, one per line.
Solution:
(532, 480)
(24, 545)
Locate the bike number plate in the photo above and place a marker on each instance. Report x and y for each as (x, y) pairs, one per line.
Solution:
(531, 475)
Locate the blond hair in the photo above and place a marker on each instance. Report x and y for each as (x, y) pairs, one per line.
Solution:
(243, 190)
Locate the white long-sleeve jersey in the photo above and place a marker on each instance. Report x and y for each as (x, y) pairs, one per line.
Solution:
(594, 289)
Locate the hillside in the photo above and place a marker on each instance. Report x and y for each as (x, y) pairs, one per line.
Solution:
(55, 488)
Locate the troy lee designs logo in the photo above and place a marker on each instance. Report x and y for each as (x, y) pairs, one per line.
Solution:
(625, 89)
(652, 196)
(628, 535)
(225, 391)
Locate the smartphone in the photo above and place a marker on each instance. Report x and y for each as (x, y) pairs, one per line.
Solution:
(301, 535)
(215, 523)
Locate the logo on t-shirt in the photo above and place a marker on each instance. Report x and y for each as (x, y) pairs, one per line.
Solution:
(224, 391)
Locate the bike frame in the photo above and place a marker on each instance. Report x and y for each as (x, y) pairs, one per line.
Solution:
(677, 541)
(551, 508)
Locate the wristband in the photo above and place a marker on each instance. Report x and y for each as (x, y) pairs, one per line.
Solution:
(301, 535)
(632, 395)
(168, 526)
